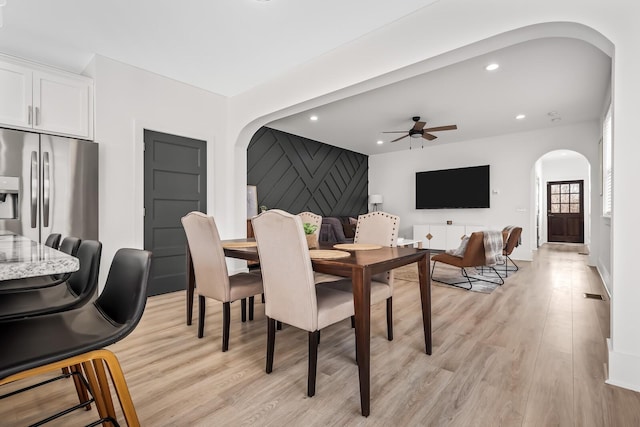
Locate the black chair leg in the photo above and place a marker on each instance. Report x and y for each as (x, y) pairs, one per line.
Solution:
(279, 325)
(353, 321)
(226, 325)
(314, 337)
(390, 318)
(271, 341)
(251, 301)
(243, 303)
(201, 308)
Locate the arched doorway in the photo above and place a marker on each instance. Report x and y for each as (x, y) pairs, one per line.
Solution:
(563, 199)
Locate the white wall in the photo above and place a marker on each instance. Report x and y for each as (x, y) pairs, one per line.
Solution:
(511, 158)
(572, 167)
(127, 101)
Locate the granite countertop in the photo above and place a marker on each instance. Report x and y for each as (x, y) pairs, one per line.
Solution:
(21, 257)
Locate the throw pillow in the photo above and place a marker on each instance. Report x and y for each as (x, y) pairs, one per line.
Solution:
(349, 230)
(459, 251)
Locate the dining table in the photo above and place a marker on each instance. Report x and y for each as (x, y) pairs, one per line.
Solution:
(21, 258)
(360, 266)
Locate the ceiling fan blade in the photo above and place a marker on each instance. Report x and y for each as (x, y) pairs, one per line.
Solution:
(450, 127)
(396, 131)
(398, 139)
(429, 136)
(419, 125)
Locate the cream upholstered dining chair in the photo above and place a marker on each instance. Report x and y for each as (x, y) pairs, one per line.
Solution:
(379, 228)
(291, 295)
(212, 278)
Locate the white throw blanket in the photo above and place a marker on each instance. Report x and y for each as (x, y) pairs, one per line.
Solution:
(509, 229)
(493, 245)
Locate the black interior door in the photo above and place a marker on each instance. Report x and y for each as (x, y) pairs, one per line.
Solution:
(565, 211)
(175, 183)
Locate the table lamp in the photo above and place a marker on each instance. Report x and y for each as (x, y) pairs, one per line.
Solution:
(375, 200)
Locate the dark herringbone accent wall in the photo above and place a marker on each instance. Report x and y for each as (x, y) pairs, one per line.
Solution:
(298, 174)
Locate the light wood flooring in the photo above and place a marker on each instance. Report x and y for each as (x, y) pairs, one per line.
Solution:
(532, 353)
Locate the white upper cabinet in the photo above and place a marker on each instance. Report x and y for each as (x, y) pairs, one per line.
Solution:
(46, 100)
(16, 107)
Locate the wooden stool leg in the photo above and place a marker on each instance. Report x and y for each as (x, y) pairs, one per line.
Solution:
(103, 382)
(120, 384)
(83, 396)
(97, 393)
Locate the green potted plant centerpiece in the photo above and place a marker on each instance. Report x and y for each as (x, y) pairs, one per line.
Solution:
(310, 233)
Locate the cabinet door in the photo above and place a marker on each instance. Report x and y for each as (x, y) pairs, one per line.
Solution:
(62, 104)
(15, 101)
(438, 236)
(420, 232)
(455, 233)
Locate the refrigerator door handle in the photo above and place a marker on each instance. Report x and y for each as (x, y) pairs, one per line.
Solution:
(34, 189)
(46, 189)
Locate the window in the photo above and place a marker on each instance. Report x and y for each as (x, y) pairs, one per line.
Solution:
(607, 175)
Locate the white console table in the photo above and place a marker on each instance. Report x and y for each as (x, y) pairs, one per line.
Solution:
(402, 243)
(443, 236)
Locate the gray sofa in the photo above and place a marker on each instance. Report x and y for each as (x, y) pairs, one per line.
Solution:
(336, 230)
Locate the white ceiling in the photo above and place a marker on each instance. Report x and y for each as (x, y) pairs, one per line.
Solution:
(230, 46)
(535, 78)
(224, 46)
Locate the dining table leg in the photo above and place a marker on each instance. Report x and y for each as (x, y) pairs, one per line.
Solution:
(425, 299)
(361, 279)
(191, 285)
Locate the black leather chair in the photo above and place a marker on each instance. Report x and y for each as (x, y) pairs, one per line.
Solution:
(70, 245)
(53, 240)
(80, 287)
(53, 341)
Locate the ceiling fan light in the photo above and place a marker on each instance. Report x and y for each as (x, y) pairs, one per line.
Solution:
(416, 135)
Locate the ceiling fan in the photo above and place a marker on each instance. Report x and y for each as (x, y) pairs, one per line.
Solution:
(418, 130)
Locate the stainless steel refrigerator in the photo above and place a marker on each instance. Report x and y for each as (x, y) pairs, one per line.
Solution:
(48, 184)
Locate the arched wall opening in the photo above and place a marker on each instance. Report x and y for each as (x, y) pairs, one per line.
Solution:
(560, 166)
(293, 93)
(523, 209)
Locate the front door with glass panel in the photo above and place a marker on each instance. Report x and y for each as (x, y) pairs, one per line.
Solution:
(565, 211)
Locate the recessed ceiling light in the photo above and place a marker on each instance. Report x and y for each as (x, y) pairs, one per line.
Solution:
(520, 116)
(492, 67)
(313, 118)
(380, 142)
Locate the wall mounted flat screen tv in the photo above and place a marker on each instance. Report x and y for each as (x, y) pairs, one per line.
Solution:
(453, 188)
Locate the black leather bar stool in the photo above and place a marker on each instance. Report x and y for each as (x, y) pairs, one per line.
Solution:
(53, 341)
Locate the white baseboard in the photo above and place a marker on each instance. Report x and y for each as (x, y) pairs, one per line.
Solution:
(605, 277)
(624, 369)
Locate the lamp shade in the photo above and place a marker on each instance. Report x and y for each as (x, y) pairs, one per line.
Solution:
(375, 199)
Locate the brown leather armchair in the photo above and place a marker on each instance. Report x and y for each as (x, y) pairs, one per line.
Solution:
(474, 256)
(512, 241)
